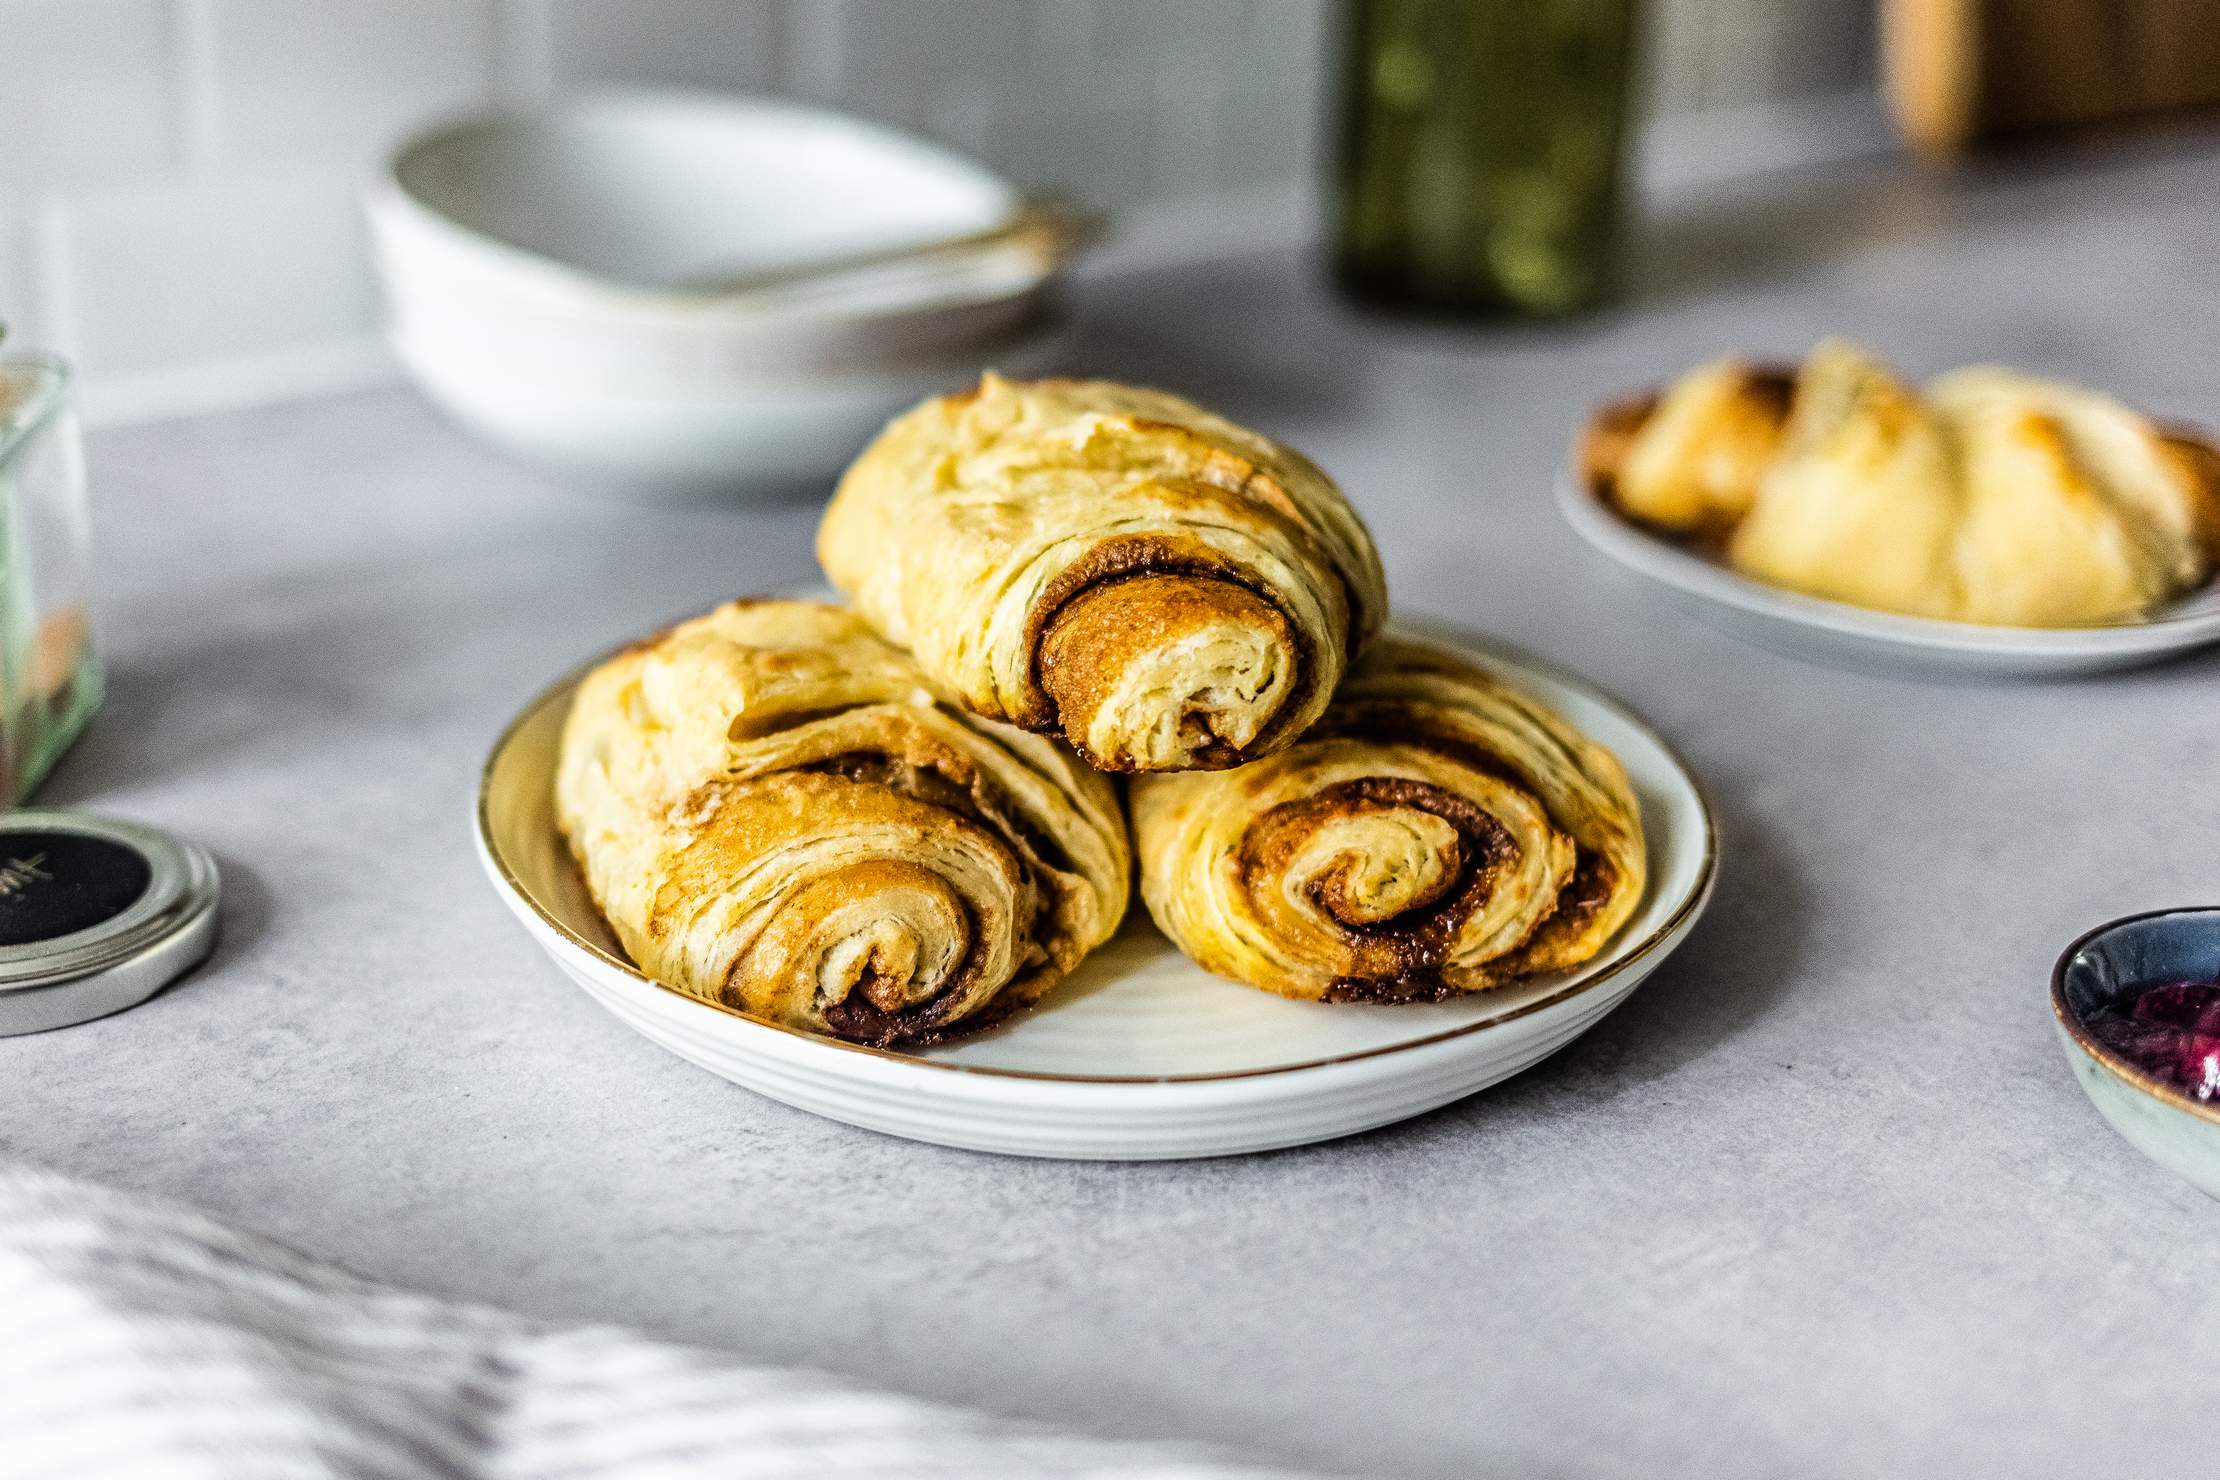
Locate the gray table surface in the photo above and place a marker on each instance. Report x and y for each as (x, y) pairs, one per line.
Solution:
(1820, 1200)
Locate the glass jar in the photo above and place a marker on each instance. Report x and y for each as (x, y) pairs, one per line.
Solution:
(1480, 151)
(49, 677)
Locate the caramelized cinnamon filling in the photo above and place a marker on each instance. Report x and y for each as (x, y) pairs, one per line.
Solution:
(1418, 938)
(925, 784)
(873, 1012)
(1593, 878)
(1097, 641)
(1134, 557)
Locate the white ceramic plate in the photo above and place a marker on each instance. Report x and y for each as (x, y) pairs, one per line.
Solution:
(1831, 631)
(1140, 1054)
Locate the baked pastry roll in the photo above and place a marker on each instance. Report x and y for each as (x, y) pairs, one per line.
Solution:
(776, 812)
(2076, 508)
(1703, 446)
(1165, 589)
(1438, 831)
(1988, 496)
(1862, 504)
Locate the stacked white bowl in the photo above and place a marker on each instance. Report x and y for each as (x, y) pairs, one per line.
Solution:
(700, 292)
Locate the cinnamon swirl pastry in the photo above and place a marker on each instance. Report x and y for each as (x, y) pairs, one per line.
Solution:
(776, 812)
(1437, 832)
(1985, 496)
(1165, 589)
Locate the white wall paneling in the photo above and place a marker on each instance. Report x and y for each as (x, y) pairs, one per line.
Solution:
(177, 176)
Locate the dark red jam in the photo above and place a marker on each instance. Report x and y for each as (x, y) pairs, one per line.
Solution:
(2170, 1031)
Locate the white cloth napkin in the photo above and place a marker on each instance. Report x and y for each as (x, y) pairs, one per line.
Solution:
(138, 1339)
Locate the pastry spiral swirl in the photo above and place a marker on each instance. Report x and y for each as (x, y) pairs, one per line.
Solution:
(1165, 589)
(775, 812)
(1437, 832)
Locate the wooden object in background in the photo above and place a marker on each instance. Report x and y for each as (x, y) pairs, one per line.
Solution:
(1960, 70)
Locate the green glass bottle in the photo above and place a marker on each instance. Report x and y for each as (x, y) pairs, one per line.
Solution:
(1480, 152)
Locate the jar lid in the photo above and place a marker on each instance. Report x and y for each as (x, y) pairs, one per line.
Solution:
(96, 916)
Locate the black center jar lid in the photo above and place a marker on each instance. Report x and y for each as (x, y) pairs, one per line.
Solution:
(95, 916)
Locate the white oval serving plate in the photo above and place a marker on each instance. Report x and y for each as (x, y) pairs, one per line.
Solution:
(1831, 631)
(1140, 1054)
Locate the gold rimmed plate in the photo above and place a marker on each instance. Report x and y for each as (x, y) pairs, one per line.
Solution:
(1139, 1054)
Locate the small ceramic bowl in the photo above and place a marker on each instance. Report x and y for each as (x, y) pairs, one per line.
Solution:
(708, 440)
(2161, 1120)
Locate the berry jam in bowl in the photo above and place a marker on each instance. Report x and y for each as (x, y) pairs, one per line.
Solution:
(2138, 1008)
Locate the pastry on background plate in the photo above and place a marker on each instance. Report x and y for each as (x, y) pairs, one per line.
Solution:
(775, 811)
(1439, 831)
(1165, 589)
(1986, 496)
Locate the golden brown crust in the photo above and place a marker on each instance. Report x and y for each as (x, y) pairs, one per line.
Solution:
(1611, 432)
(2199, 457)
(1990, 497)
(1108, 629)
(1604, 443)
(1438, 832)
(979, 524)
(775, 811)
(1400, 938)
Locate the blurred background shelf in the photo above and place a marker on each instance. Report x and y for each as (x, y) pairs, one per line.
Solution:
(1959, 71)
